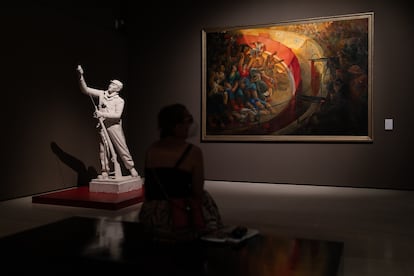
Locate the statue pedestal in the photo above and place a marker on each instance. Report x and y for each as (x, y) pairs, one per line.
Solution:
(115, 185)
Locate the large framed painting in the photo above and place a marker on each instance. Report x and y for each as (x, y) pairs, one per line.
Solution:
(303, 80)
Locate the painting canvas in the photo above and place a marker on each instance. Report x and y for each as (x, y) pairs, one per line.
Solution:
(303, 80)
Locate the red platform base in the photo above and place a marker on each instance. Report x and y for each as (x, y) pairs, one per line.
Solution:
(82, 197)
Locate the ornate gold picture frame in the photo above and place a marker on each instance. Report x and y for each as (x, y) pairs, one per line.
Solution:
(304, 80)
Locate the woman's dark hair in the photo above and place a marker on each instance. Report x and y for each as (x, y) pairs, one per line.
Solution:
(169, 116)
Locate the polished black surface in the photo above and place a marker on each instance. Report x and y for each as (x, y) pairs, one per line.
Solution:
(83, 244)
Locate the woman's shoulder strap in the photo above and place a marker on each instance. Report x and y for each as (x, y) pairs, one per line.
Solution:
(183, 155)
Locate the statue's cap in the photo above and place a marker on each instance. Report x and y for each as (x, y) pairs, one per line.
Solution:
(117, 82)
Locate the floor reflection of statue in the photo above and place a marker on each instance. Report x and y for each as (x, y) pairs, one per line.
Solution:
(108, 112)
(108, 240)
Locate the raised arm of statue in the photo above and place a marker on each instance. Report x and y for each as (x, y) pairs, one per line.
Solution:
(84, 87)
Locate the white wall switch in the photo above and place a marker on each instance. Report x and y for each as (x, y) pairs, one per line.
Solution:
(389, 124)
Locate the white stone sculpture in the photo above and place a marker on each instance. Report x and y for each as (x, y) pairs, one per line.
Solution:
(113, 143)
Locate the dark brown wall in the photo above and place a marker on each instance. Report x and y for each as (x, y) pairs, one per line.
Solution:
(42, 103)
(173, 54)
(158, 55)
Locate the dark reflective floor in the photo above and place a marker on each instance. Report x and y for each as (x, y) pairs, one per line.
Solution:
(374, 225)
(104, 245)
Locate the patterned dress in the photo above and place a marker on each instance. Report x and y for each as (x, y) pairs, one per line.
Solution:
(160, 187)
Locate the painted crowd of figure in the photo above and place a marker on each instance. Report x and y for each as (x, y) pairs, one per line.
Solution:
(247, 83)
(241, 91)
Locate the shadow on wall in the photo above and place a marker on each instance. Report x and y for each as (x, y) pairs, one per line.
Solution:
(85, 175)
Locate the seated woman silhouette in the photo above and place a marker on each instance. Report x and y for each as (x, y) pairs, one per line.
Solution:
(174, 169)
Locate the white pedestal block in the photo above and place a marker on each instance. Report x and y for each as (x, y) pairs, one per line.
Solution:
(118, 185)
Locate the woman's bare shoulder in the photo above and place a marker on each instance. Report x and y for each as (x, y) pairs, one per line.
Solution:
(161, 154)
(196, 149)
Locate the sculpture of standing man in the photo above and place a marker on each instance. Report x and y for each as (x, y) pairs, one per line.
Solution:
(109, 112)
